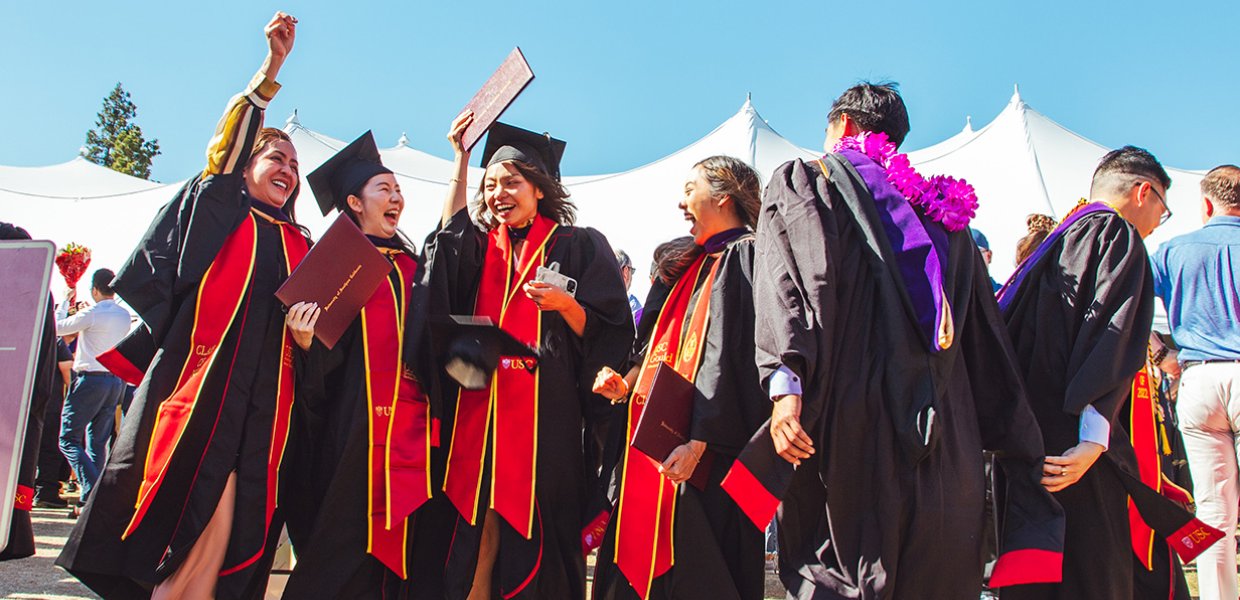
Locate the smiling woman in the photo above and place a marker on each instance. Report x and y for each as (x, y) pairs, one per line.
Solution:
(358, 473)
(186, 506)
(518, 472)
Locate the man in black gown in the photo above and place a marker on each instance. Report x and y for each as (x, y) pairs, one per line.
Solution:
(885, 413)
(1080, 310)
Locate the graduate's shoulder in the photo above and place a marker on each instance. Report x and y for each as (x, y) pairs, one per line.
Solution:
(579, 236)
(1103, 232)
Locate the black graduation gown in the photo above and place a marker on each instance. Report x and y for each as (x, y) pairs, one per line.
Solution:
(231, 426)
(325, 480)
(718, 552)
(1080, 324)
(551, 564)
(21, 529)
(891, 503)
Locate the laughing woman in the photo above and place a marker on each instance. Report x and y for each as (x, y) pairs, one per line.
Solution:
(359, 476)
(704, 329)
(185, 507)
(516, 470)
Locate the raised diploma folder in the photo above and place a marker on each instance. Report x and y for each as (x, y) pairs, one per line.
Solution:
(340, 273)
(496, 95)
(666, 420)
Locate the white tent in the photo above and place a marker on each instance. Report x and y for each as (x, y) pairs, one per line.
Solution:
(1022, 162)
(79, 201)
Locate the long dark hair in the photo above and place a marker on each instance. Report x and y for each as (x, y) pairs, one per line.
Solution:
(673, 257)
(555, 203)
(729, 176)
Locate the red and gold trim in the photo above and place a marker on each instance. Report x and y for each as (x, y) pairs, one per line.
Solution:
(511, 425)
(647, 504)
(219, 298)
(24, 498)
(398, 423)
(1143, 431)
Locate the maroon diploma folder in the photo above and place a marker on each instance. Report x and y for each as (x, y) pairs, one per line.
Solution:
(340, 273)
(496, 95)
(666, 420)
(26, 270)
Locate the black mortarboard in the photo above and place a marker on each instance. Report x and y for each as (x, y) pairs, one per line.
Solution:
(470, 348)
(505, 142)
(346, 173)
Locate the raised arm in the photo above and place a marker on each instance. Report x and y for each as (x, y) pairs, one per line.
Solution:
(456, 199)
(230, 147)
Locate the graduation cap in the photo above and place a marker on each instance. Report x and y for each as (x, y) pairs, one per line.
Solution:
(505, 143)
(471, 347)
(346, 173)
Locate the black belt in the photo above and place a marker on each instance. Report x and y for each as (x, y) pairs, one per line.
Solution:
(93, 373)
(1193, 363)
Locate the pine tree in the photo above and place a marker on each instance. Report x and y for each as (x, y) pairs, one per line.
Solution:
(117, 142)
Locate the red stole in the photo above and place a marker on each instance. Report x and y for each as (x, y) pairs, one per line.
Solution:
(510, 423)
(399, 418)
(644, 521)
(220, 296)
(1143, 432)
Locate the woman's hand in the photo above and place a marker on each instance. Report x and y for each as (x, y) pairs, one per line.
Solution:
(611, 385)
(679, 466)
(281, 32)
(1059, 472)
(300, 320)
(549, 297)
(456, 133)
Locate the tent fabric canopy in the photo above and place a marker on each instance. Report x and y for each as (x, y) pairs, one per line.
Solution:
(1022, 162)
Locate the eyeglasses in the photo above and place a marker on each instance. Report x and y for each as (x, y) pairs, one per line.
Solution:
(1166, 214)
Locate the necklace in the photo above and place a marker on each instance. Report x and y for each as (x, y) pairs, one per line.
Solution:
(946, 200)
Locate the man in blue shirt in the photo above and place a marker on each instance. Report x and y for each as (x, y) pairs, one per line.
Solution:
(1197, 276)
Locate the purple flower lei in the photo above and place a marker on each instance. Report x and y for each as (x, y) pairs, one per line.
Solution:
(950, 201)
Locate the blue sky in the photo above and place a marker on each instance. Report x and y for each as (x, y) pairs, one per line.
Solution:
(625, 82)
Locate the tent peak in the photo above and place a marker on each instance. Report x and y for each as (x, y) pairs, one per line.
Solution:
(403, 142)
(1016, 93)
(292, 120)
(968, 124)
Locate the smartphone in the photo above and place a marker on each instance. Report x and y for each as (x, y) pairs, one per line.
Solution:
(554, 277)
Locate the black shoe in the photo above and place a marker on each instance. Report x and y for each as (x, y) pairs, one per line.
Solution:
(50, 503)
(75, 512)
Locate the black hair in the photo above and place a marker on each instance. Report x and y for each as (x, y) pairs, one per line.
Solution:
(102, 280)
(9, 231)
(555, 203)
(875, 107)
(1120, 169)
(729, 176)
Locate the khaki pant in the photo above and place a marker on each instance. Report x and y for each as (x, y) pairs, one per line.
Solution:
(1209, 411)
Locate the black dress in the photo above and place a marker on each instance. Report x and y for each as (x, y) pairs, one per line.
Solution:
(551, 563)
(236, 423)
(326, 476)
(718, 553)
